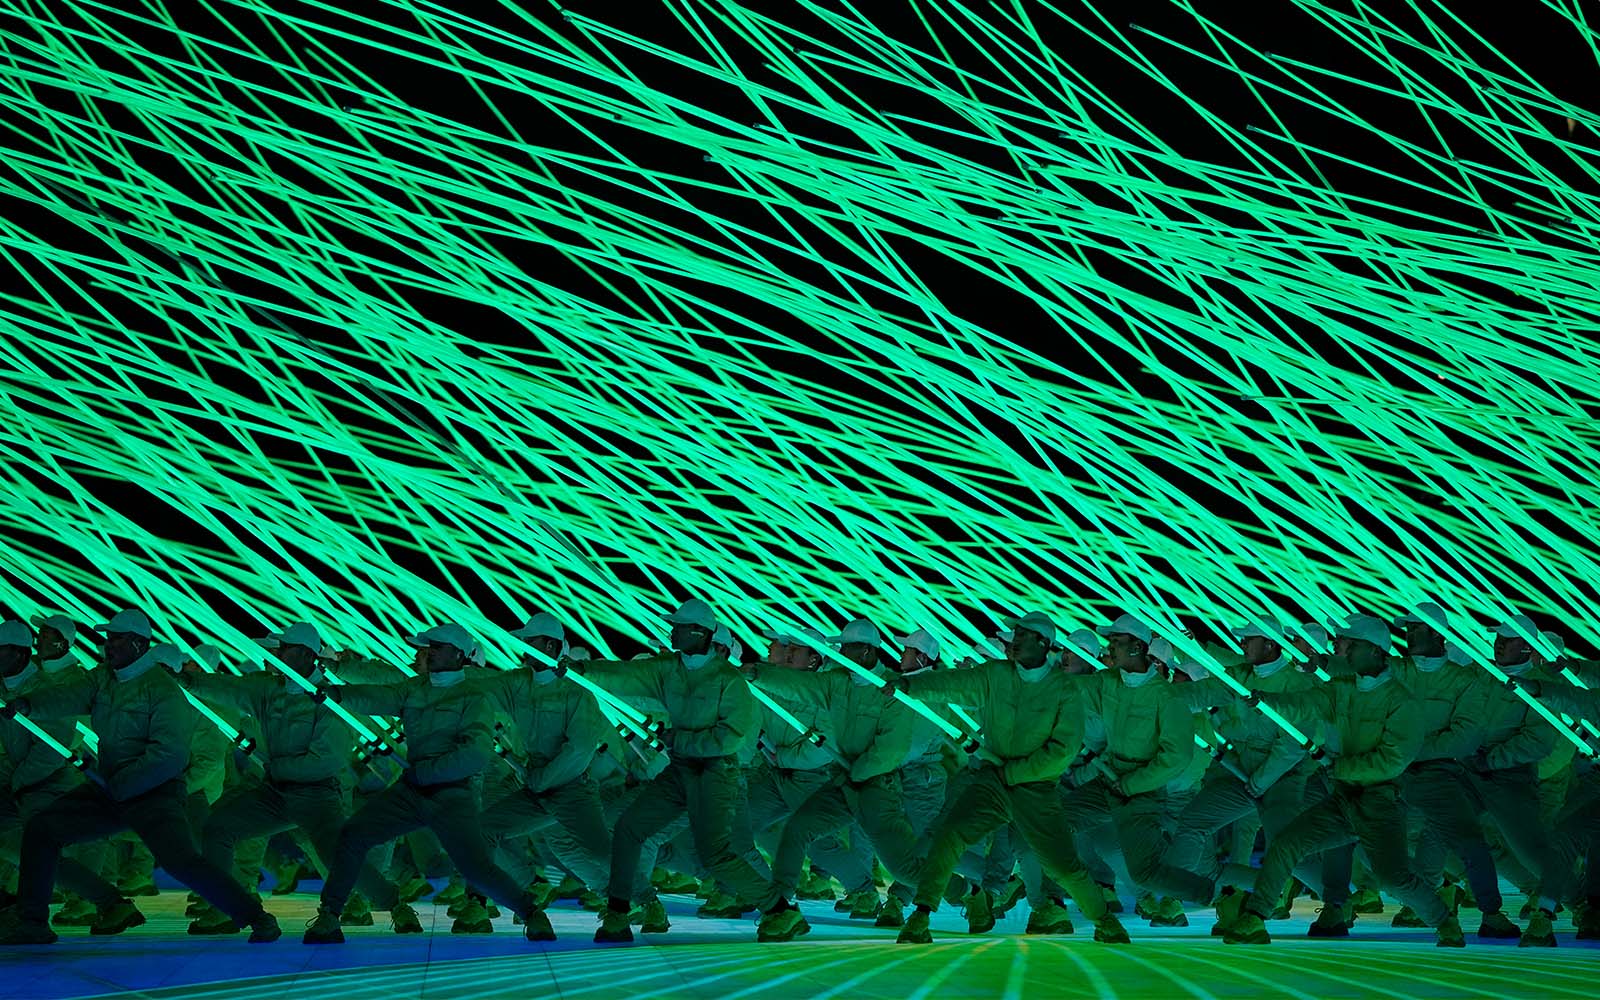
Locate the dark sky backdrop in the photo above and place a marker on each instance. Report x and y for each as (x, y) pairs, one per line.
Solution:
(1530, 38)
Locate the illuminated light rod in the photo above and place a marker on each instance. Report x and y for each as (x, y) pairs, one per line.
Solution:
(1253, 699)
(1219, 753)
(1583, 747)
(960, 712)
(72, 757)
(632, 724)
(811, 735)
(965, 740)
(1577, 682)
(170, 656)
(372, 743)
(504, 752)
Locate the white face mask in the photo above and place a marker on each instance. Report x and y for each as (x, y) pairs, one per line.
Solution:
(446, 678)
(1268, 669)
(21, 677)
(1033, 675)
(59, 663)
(696, 660)
(1365, 683)
(1134, 680)
(1429, 664)
(1518, 669)
(542, 677)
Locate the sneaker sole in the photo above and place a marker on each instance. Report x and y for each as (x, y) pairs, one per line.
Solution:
(134, 921)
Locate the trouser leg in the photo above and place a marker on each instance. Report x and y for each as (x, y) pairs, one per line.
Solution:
(981, 806)
(319, 814)
(1572, 836)
(385, 815)
(1441, 790)
(656, 804)
(82, 814)
(1140, 823)
(1039, 814)
(161, 819)
(453, 814)
(824, 811)
(1222, 800)
(767, 805)
(879, 807)
(576, 808)
(712, 798)
(509, 818)
(922, 789)
(1511, 799)
(253, 811)
(1379, 820)
(1321, 827)
(846, 854)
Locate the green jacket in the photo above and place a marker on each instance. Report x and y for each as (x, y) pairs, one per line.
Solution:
(1033, 730)
(301, 740)
(449, 731)
(208, 760)
(1149, 730)
(710, 710)
(144, 724)
(791, 750)
(870, 732)
(28, 764)
(1512, 734)
(1450, 703)
(1558, 694)
(556, 728)
(1261, 747)
(1375, 734)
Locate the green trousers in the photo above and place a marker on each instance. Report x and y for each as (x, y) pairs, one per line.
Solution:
(316, 810)
(1036, 811)
(1369, 815)
(575, 807)
(708, 790)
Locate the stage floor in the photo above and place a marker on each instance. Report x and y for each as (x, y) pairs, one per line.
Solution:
(839, 958)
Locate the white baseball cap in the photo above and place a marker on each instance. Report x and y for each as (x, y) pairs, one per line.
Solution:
(1314, 634)
(694, 611)
(131, 622)
(299, 634)
(16, 633)
(61, 623)
(1265, 629)
(1367, 628)
(1427, 613)
(1036, 622)
(448, 634)
(1085, 642)
(1127, 625)
(542, 626)
(167, 655)
(860, 630)
(1556, 641)
(813, 641)
(1519, 627)
(579, 654)
(920, 640)
(1161, 649)
(208, 655)
(720, 636)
